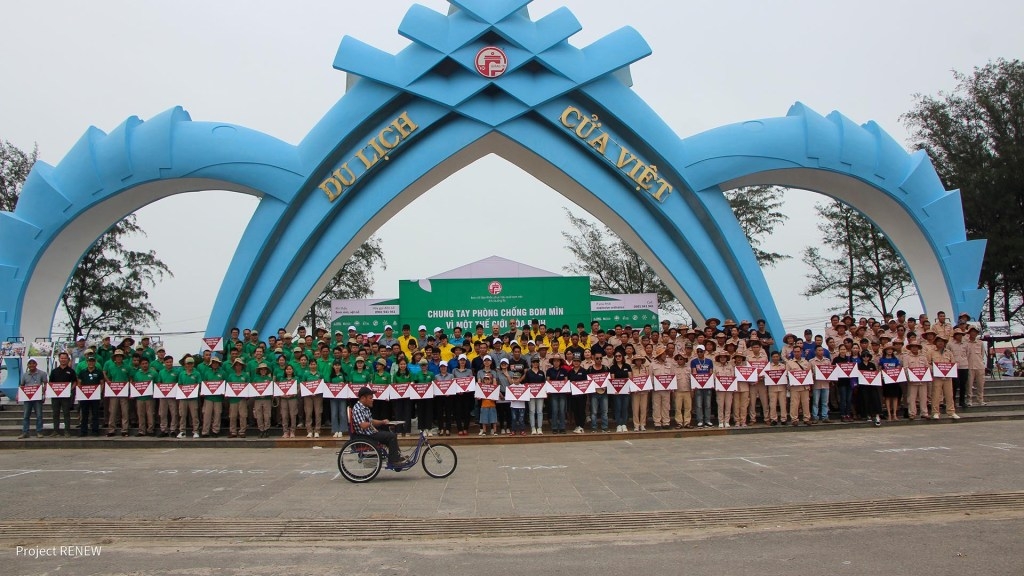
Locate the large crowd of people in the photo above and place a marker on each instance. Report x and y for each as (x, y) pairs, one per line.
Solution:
(721, 375)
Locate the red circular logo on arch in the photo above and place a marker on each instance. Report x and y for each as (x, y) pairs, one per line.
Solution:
(491, 62)
(494, 288)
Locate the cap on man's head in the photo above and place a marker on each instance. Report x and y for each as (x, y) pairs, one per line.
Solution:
(80, 339)
(118, 352)
(190, 360)
(31, 361)
(424, 362)
(365, 391)
(422, 328)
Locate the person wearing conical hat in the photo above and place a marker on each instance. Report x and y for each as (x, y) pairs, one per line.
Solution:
(741, 399)
(661, 365)
(942, 387)
(799, 394)
(977, 360)
(263, 404)
(723, 367)
(958, 345)
(641, 398)
(917, 392)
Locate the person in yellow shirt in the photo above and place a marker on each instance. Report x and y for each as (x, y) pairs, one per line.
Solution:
(445, 348)
(404, 338)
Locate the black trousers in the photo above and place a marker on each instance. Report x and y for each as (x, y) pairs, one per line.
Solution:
(425, 413)
(389, 439)
(401, 409)
(90, 409)
(463, 406)
(960, 387)
(579, 409)
(61, 407)
(504, 410)
(444, 411)
(871, 400)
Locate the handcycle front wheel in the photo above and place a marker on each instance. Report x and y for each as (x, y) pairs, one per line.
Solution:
(360, 460)
(439, 460)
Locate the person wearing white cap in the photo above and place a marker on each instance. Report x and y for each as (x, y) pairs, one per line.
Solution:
(464, 401)
(702, 398)
(387, 339)
(33, 377)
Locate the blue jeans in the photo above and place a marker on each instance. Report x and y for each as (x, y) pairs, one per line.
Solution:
(621, 406)
(599, 410)
(536, 413)
(30, 407)
(339, 415)
(702, 403)
(558, 402)
(518, 419)
(819, 404)
(845, 391)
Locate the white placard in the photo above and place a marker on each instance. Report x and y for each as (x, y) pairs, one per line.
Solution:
(640, 383)
(31, 392)
(776, 376)
(420, 390)
(944, 369)
(702, 381)
(263, 389)
(801, 377)
(311, 388)
(212, 388)
(238, 390)
(664, 382)
(919, 374)
(557, 387)
(538, 391)
(747, 374)
(826, 372)
(188, 391)
(59, 389)
(286, 388)
(140, 389)
(893, 375)
(165, 390)
(491, 391)
(725, 383)
(88, 392)
(870, 378)
(117, 390)
(517, 392)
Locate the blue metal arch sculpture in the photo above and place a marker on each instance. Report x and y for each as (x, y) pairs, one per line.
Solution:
(689, 235)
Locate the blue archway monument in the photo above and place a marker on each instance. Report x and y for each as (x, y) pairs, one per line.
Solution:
(483, 79)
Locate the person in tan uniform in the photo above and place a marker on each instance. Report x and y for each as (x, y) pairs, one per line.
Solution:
(741, 399)
(942, 327)
(959, 348)
(942, 388)
(976, 362)
(758, 391)
(776, 411)
(799, 395)
(682, 398)
(642, 398)
(724, 367)
(917, 392)
(662, 399)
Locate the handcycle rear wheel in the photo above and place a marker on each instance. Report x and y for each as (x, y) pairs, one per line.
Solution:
(439, 460)
(360, 460)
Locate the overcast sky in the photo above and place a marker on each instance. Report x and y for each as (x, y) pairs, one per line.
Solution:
(267, 65)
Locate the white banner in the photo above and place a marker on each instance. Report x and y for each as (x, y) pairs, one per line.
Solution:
(776, 377)
(640, 384)
(490, 391)
(826, 372)
(919, 374)
(801, 377)
(557, 387)
(725, 383)
(263, 389)
(538, 391)
(746, 374)
(311, 388)
(31, 392)
(517, 393)
(88, 392)
(702, 381)
(663, 382)
(116, 390)
(420, 390)
(944, 369)
(238, 390)
(140, 389)
(162, 391)
(188, 391)
(212, 388)
(870, 378)
(893, 375)
(286, 388)
(59, 389)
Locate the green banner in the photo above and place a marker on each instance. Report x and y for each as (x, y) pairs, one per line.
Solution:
(446, 304)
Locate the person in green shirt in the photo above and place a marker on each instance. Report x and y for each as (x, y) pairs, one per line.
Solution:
(425, 407)
(360, 374)
(381, 376)
(145, 407)
(263, 404)
(313, 405)
(168, 407)
(237, 407)
(189, 407)
(117, 370)
(289, 405)
(401, 408)
(213, 405)
(338, 406)
(279, 367)
(147, 350)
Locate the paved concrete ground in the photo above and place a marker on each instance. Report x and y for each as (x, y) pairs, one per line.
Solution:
(521, 480)
(940, 546)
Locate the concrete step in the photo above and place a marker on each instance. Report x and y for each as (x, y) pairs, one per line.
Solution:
(275, 441)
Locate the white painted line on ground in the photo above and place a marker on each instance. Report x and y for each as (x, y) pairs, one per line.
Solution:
(747, 459)
(923, 449)
(1003, 446)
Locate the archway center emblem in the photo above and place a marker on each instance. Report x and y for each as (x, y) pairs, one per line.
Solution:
(491, 62)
